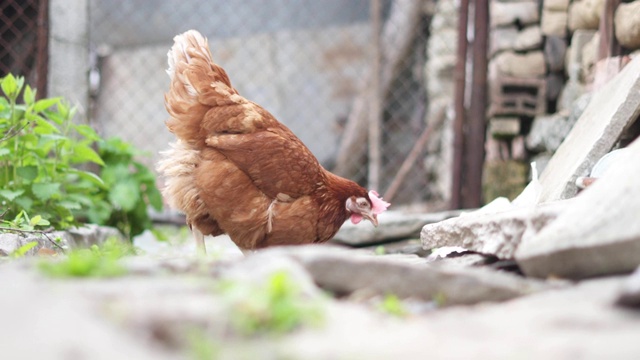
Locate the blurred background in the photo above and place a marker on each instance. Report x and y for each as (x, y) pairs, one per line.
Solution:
(430, 102)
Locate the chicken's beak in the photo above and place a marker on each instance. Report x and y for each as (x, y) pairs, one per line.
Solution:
(371, 217)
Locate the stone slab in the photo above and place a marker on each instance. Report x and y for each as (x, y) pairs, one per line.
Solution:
(609, 112)
(42, 318)
(548, 131)
(496, 234)
(572, 323)
(630, 292)
(598, 234)
(344, 272)
(392, 225)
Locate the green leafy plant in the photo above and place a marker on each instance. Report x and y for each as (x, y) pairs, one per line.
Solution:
(131, 189)
(97, 261)
(277, 307)
(43, 154)
(24, 223)
(39, 149)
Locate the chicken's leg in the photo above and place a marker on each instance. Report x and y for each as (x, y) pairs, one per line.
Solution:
(199, 237)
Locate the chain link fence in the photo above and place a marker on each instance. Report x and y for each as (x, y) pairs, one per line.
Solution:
(23, 41)
(310, 63)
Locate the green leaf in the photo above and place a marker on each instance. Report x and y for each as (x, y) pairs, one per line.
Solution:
(83, 153)
(44, 104)
(38, 221)
(29, 95)
(71, 205)
(24, 202)
(10, 195)
(89, 176)
(45, 127)
(28, 173)
(63, 109)
(88, 132)
(155, 198)
(22, 250)
(112, 173)
(45, 191)
(9, 86)
(125, 195)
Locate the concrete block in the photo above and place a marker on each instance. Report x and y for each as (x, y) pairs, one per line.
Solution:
(598, 234)
(611, 110)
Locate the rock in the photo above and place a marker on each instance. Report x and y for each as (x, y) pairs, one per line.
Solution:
(346, 271)
(530, 38)
(500, 127)
(547, 132)
(571, 95)
(9, 243)
(627, 24)
(585, 14)
(630, 293)
(530, 64)
(463, 260)
(556, 5)
(496, 234)
(570, 92)
(610, 111)
(598, 234)
(579, 40)
(589, 58)
(555, 84)
(405, 247)
(85, 236)
(510, 38)
(554, 23)
(57, 315)
(555, 50)
(572, 322)
(502, 38)
(392, 225)
(259, 266)
(509, 13)
(90, 234)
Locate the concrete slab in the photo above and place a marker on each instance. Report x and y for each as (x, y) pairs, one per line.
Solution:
(598, 234)
(610, 111)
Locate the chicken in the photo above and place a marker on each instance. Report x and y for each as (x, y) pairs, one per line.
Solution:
(235, 169)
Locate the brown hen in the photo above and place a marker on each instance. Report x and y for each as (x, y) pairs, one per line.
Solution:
(235, 169)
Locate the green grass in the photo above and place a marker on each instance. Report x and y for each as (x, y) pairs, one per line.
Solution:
(97, 261)
(392, 305)
(276, 307)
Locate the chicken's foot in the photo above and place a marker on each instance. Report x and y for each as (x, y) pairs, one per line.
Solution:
(199, 237)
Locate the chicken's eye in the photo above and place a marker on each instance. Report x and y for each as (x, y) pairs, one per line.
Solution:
(362, 203)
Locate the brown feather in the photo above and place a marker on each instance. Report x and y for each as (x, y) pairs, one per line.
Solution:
(235, 169)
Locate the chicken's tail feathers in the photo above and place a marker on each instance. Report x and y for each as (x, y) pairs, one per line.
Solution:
(197, 83)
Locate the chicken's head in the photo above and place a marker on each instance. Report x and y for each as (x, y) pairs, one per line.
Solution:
(366, 207)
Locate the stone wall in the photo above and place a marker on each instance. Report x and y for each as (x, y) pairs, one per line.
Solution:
(543, 62)
(439, 75)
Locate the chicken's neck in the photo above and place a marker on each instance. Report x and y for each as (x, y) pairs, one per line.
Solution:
(333, 197)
